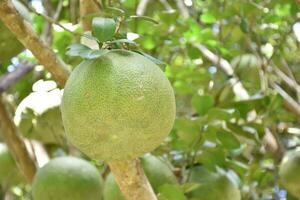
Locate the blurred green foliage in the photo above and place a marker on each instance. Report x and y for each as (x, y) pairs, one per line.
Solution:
(214, 127)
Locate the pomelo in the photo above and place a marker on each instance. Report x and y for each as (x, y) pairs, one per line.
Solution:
(119, 106)
(212, 186)
(67, 178)
(289, 172)
(157, 171)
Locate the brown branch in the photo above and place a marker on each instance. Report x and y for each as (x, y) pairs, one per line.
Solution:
(26, 35)
(12, 77)
(16, 144)
(132, 180)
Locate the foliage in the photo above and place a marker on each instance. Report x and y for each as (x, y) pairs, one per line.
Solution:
(215, 126)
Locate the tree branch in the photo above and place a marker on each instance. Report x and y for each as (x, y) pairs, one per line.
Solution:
(238, 88)
(11, 78)
(15, 144)
(26, 35)
(298, 3)
(132, 180)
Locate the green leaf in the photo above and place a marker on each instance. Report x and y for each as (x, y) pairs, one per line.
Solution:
(170, 192)
(222, 114)
(244, 26)
(155, 60)
(123, 41)
(149, 19)
(77, 50)
(103, 28)
(188, 187)
(228, 140)
(202, 103)
(208, 18)
(84, 51)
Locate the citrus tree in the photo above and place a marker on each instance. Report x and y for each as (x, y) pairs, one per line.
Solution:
(149, 99)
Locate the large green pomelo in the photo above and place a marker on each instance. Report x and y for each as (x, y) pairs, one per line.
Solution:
(9, 173)
(38, 115)
(212, 186)
(157, 171)
(9, 45)
(118, 106)
(67, 178)
(289, 172)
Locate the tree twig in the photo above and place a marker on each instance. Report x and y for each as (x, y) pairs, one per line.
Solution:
(26, 35)
(132, 180)
(12, 77)
(238, 88)
(16, 144)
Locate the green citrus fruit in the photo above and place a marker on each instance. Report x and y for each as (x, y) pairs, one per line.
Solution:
(289, 172)
(118, 106)
(212, 186)
(9, 173)
(157, 171)
(67, 178)
(9, 45)
(38, 115)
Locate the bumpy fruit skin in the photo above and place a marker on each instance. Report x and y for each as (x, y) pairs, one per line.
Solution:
(67, 178)
(289, 172)
(9, 173)
(213, 186)
(157, 171)
(118, 106)
(9, 45)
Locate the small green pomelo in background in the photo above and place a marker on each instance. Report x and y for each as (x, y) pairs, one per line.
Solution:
(117, 107)
(212, 186)
(9, 173)
(289, 172)
(67, 178)
(157, 171)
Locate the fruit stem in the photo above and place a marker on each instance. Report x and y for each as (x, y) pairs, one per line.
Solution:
(132, 180)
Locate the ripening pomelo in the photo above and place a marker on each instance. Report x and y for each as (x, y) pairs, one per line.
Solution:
(67, 178)
(118, 106)
(157, 171)
(212, 186)
(289, 172)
